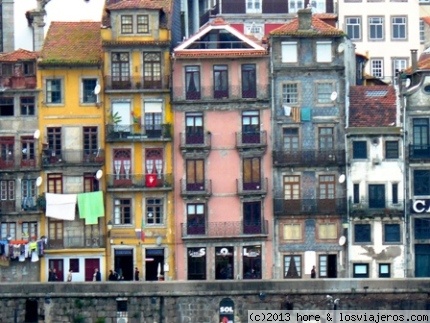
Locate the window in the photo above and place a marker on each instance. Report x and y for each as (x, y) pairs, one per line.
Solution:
(353, 28)
(91, 183)
(27, 106)
(398, 28)
(292, 231)
(422, 31)
(289, 52)
(6, 69)
(28, 193)
(154, 166)
(6, 107)
(420, 146)
(318, 6)
(252, 217)
(251, 174)
(326, 138)
(55, 183)
(28, 69)
(421, 182)
(195, 175)
(120, 70)
(56, 233)
(7, 195)
(192, 82)
(377, 196)
(254, 29)
(8, 229)
(324, 52)
(224, 263)
(29, 230)
(122, 166)
(361, 270)
(290, 93)
(88, 87)
(395, 193)
(196, 263)
(392, 149)
(251, 127)
(376, 28)
(327, 231)
(7, 149)
(323, 92)
(295, 5)
(122, 211)
(53, 91)
(384, 271)
(91, 148)
(220, 81)
(253, 6)
(356, 194)
(251, 261)
(194, 128)
(153, 118)
(249, 83)
(359, 149)
(362, 233)
(74, 265)
(54, 142)
(152, 70)
(377, 68)
(292, 266)
(291, 187)
(196, 218)
(422, 228)
(154, 211)
(142, 24)
(28, 157)
(290, 139)
(399, 64)
(392, 233)
(126, 24)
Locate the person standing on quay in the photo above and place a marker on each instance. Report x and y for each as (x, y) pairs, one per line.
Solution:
(136, 274)
(97, 276)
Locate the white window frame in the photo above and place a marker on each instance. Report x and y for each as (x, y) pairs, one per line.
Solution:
(377, 71)
(295, 5)
(373, 22)
(289, 52)
(318, 6)
(324, 52)
(397, 25)
(48, 84)
(254, 29)
(422, 31)
(355, 24)
(290, 93)
(83, 101)
(322, 97)
(253, 6)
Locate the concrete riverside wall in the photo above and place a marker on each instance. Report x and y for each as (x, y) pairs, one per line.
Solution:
(198, 302)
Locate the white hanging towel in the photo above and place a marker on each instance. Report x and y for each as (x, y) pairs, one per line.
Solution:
(61, 206)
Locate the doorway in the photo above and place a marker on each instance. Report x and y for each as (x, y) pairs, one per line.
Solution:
(328, 266)
(57, 264)
(154, 264)
(90, 265)
(124, 263)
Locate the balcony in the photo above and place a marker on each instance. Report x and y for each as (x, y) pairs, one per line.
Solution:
(71, 157)
(139, 181)
(223, 229)
(18, 161)
(335, 206)
(251, 188)
(23, 205)
(251, 140)
(375, 208)
(195, 141)
(18, 82)
(137, 132)
(309, 157)
(135, 83)
(208, 93)
(419, 153)
(77, 241)
(195, 190)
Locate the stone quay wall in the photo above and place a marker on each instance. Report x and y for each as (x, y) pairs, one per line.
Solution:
(199, 301)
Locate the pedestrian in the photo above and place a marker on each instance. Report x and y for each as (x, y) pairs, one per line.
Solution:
(50, 275)
(70, 276)
(97, 276)
(136, 274)
(313, 272)
(112, 275)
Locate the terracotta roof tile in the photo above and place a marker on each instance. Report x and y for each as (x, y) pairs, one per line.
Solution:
(71, 43)
(319, 28)
(225, 53)
(372, 106)
(19, 55)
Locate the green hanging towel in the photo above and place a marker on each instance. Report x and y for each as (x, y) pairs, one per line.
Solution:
(91, 207)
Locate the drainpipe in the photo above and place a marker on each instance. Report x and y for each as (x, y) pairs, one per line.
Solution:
(405, 178)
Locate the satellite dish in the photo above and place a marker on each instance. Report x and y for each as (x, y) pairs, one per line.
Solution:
(36, 134)
(342, 241)
(333, 96)
(39, 181)
(408, 82)
(99, 174)
(342, 178)
(97, 89)
(341, 48)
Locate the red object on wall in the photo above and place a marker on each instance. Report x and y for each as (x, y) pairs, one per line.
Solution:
(151, 180)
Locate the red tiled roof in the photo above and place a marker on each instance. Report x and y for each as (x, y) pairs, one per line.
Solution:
(140, 4)
(372, 106)
(319, 28)
(71, 43)
(217, 53)
(19, 55)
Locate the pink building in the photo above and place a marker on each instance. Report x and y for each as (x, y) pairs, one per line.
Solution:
(222, 168)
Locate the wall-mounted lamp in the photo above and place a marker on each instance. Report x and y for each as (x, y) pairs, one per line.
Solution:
(109, 227)
(262, 296)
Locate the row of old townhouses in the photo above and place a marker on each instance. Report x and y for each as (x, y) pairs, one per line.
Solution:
(217, 156)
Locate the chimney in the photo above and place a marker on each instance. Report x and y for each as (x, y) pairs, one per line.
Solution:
(414, 59)
(305, 19)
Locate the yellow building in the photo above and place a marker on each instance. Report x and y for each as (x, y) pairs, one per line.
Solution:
(139, 181)
(71, 124)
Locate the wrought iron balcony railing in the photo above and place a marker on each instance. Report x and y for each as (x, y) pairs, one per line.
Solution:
(202, 189)
(136, 83)
(224, 229)
(132, 181)
(232, 92)
(308, 157)
(377, 208)
(77, 241)
(19, 159)
(247, 140)
(69, 157)
(252, 188)
(21, 205)
(333, 206)
(194, 141)
(137, 132)
(419, 152)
